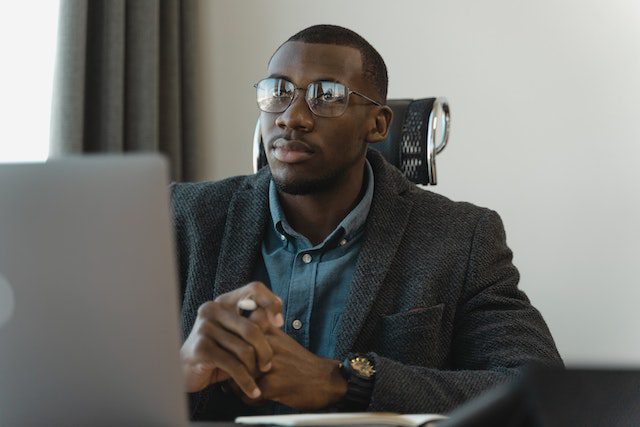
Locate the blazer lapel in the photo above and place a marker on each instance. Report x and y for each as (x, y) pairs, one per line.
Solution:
(246, 220)
(386, 224)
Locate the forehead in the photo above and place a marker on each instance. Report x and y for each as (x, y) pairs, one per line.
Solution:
(303, 63)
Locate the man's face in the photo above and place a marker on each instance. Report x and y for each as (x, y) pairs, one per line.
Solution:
(310, 154)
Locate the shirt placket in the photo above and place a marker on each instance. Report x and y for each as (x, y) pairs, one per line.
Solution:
(301, 295)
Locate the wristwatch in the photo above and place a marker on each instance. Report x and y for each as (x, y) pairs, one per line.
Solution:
(359, 371)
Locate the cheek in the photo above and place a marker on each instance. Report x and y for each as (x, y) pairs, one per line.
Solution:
(355, 128)
(353, 142)
(267, 125)
(344, 136)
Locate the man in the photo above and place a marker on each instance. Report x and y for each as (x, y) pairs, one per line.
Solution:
(371, 293)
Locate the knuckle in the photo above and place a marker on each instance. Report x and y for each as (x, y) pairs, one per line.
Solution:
(223, 299)
(201, 328)
(205, 308)
(201, 348)
(259, 288)
(255, 286)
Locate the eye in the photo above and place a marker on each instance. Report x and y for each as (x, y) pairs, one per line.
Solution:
(281, 89)
(327, 96)
(330, 96)
(280, 92)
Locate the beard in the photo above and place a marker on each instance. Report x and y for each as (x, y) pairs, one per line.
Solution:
(332, 178)
(301, 187)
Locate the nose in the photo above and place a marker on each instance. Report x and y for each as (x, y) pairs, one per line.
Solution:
(297, 116)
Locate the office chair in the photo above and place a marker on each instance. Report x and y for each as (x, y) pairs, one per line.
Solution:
(419, 131)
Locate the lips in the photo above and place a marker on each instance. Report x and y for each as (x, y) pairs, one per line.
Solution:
(291, 150)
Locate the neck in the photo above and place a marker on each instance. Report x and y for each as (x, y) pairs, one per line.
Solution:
(316, 215)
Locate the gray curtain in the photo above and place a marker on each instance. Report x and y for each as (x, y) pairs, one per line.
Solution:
(124, 80)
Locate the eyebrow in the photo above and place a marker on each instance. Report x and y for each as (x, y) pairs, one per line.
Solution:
(277, 76)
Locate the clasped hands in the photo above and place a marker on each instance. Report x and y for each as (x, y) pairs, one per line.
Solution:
(259, 360)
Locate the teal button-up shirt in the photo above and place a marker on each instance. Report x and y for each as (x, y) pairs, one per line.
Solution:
(313, 281)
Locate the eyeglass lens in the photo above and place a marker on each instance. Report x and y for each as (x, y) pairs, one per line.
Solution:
(325, 98)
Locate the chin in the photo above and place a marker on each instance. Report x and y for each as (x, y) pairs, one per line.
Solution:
(302, 186)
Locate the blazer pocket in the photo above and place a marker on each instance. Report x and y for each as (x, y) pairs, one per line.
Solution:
(412, 337)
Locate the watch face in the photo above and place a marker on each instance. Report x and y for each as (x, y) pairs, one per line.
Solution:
(362, 366)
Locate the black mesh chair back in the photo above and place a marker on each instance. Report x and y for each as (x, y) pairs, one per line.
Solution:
(419, 131)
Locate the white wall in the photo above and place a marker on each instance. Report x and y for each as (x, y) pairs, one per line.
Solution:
(545, 103)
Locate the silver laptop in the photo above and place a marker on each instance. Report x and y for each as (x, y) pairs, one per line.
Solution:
(88, 295)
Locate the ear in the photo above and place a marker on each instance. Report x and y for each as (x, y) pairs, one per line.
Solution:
(382, 122)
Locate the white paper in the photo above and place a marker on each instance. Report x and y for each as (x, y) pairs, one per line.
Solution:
(351, 418)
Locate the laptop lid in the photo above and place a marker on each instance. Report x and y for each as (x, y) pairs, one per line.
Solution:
(88, 294)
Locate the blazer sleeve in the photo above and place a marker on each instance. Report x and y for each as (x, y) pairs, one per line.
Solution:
(496, 332)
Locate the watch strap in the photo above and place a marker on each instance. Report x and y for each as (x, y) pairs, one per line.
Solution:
(359, 388)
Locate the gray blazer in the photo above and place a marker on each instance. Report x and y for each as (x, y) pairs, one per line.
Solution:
(434, 295)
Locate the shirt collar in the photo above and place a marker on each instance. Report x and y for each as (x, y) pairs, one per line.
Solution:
(349, 225)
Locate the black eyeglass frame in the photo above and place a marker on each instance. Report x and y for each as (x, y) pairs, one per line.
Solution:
(306, 90)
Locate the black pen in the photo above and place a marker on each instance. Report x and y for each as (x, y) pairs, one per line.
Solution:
(246, 307)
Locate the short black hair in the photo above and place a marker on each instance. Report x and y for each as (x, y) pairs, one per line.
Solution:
(375, 70)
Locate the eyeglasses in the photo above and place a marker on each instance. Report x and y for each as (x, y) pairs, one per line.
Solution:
(324, 98)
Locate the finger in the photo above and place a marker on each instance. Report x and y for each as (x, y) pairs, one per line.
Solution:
(203, 358)
(269, 301)
(198, 365)
(251, 333)
(263, 297)
(261, 317)
(270, 387)
(235, 345)
(232, 387)
(250, 310)
(218, 375)
(217, 312)
(196, 351)
(210, 310)
(202, 368)
(237, 371)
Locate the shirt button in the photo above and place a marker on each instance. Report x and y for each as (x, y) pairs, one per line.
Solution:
(296, 324)
(343, 242)
(306, 258)
(282, 237)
